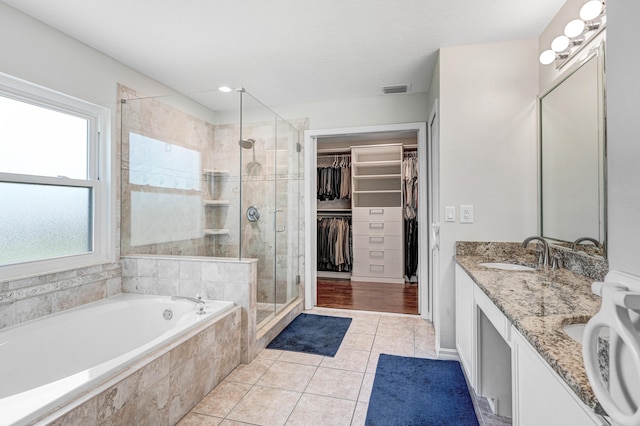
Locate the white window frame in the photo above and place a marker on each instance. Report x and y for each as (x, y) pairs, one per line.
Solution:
(99, 178)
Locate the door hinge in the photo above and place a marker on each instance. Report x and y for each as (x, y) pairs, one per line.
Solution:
(298, 147)
(297, 279)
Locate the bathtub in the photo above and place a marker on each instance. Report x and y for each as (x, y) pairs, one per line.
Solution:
(50, 361)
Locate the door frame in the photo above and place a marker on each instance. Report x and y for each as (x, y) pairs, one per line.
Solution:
(310, 212)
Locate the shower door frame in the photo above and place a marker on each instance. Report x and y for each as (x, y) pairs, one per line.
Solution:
(425, 286)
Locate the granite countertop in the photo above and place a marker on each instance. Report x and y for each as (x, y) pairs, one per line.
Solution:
(539, 304)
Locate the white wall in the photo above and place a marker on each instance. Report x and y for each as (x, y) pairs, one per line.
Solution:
(487, 152)
(623, 130)
(354, 112)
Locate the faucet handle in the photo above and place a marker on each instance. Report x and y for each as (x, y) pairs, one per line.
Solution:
(556, 263)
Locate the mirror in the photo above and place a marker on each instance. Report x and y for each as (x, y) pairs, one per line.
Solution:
(572, 154)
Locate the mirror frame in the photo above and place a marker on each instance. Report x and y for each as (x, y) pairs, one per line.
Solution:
(597, 51)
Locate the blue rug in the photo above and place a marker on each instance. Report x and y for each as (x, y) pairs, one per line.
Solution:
(417, 391)
(313, 334)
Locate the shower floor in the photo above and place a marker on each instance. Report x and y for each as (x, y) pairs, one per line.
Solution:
(265, 312)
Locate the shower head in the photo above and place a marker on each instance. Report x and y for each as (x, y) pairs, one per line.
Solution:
(246, 143)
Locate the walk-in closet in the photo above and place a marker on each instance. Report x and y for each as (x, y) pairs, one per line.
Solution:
(367, 221)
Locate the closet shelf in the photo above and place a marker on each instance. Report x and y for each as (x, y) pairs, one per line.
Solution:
(362, 177)
(216, 203)
(216, 232)
(379, 191)
(376, 163)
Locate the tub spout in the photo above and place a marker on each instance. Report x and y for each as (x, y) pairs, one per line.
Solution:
(201, 303)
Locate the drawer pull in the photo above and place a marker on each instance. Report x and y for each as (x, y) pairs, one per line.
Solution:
(376, 240)
(376, 225)
(376, 253)
(376, 268)
(376, 211)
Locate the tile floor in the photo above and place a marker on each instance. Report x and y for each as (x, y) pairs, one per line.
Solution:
(289, 388)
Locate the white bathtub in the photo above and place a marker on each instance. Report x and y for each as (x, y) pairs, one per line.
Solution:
(51, 360)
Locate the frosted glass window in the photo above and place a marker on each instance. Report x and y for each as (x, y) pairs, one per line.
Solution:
(163, 165)
(43, 221)
(55, 182)
(43, 142)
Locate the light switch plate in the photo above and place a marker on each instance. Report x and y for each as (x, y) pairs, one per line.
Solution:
(450, 214)
(466, 213)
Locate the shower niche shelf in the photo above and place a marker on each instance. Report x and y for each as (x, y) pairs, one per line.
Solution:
(216, 232)
(215, 172)
(216, 203)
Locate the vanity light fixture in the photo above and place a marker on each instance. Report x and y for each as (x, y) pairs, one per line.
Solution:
(577, 33)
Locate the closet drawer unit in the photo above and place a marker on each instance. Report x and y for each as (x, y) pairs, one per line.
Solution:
(377, 214)
(377, 228)
(377, 269)
(377, 242)
(377, 255)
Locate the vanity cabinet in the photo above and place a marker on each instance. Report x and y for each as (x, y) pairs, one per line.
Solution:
(540, 396)
(502, 366)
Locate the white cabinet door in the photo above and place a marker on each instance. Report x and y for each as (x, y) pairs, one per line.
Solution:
(465, 323)
(542, 398)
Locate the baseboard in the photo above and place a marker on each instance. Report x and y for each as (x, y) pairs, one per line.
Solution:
(446, 353)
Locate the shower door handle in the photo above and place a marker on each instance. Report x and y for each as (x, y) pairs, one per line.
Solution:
(275, 220)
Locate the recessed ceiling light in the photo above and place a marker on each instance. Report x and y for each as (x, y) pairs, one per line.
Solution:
(225, 89)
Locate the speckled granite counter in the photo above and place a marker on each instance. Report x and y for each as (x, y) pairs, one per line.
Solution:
(539, 304)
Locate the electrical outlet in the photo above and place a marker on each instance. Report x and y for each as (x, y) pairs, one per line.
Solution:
(466, 214)
(450, 214)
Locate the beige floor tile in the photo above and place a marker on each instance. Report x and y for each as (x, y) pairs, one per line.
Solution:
(336, 383)
(288, 376)
(425, 348)
(397, 330)
(357, 341)
(228, 422)
(269, 354)
(321, 410)
(194, 419)
(363, 326)
(347, 359)
(360, 415)
(300, 358)
(265, 406)
(221, 400)
(394, 345)
(398, 319)
(250, 373)
(365, 389)
(372, 365)
(424, 331)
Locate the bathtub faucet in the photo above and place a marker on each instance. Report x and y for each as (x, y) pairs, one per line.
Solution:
(201, 303)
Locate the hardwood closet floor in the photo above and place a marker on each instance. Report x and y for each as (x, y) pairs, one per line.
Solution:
(367, 296)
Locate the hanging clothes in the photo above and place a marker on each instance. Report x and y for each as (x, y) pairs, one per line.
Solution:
(410, 195)
(334, 177)
(334, 244)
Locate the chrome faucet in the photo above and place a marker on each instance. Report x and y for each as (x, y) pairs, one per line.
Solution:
(545, 245)
(590, 240)
(201, 303)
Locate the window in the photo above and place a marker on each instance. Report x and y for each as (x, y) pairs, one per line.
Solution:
(55, 207)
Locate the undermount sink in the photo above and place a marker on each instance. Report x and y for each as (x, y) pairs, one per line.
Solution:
(575, 331)
(507, 266)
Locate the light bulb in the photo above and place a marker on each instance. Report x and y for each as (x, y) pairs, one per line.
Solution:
(574, 28)
(591, 10)
(547, 57)
(560, 43)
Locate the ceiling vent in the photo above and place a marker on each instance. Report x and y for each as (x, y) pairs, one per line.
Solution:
(396, 89)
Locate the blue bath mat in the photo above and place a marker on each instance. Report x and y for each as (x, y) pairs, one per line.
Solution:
(313, 334)
(417, 391)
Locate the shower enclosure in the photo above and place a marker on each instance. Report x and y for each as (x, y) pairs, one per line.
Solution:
(223, 184)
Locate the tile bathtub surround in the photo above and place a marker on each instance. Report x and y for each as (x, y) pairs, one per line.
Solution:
(162, 388)
(539, 304)
(594, 267)
(213, 278)
(291, 388)
(34, 297)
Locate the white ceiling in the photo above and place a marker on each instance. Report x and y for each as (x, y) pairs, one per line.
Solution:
(289, 51)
